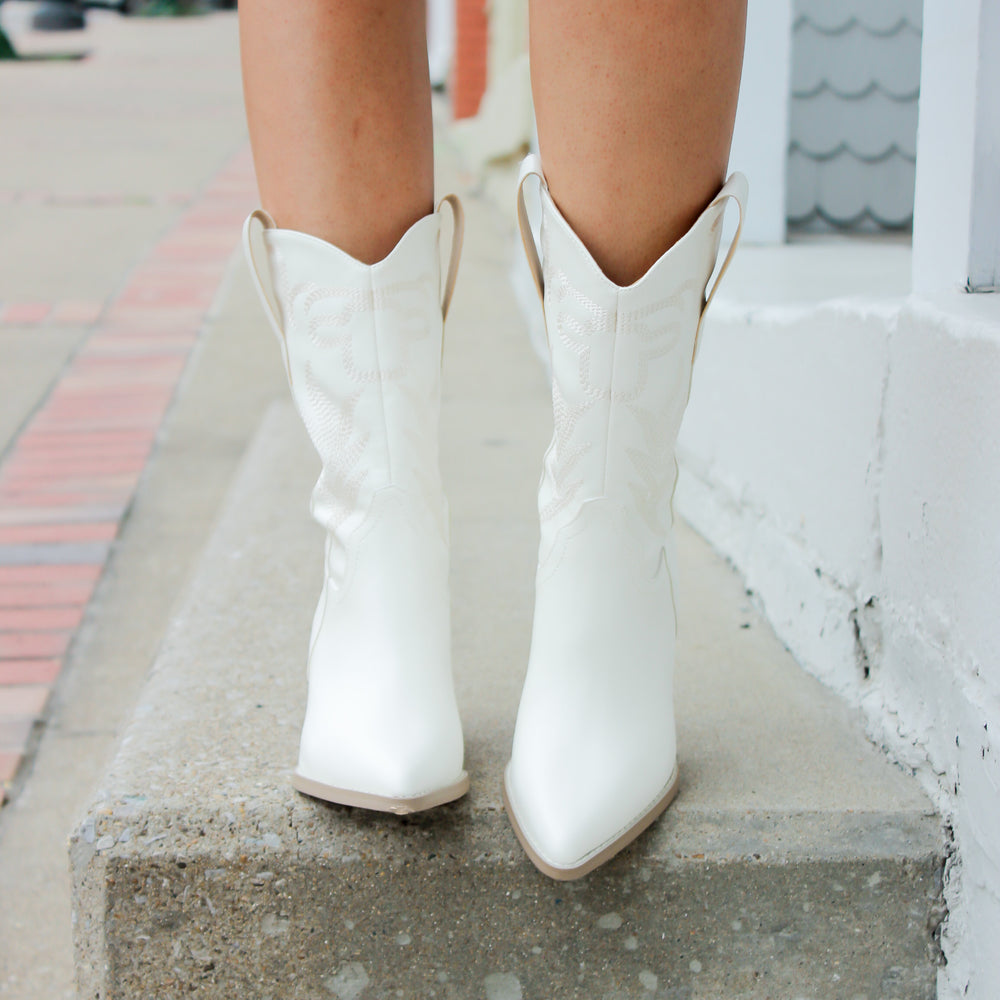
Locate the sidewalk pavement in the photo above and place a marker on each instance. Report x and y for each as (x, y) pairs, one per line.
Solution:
(124, 179)
(106, 160)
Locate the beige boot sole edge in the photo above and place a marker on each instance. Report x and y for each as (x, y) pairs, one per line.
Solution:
(596, 860)
(381, 803)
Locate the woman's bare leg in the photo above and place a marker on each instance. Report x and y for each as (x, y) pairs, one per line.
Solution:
(338, 103)
(635, 106)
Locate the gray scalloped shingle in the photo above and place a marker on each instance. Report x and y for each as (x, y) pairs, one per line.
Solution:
(853, 113)
(870, 127)
(855, 62)
(874, 15)
(848, 193)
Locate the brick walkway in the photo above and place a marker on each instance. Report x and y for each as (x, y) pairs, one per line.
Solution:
(70, 312)
(68, 479)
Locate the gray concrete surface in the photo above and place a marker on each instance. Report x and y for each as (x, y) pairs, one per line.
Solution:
(30, 360)
(795, 862)
(102, 153)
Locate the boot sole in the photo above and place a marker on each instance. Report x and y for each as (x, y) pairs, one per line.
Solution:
(381, 803)
(606, 853)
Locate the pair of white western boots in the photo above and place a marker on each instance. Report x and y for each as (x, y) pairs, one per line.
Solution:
(594, 754)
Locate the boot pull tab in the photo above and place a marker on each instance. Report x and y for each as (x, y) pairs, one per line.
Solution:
(256, 255)
(530, 165)
(457, 236)
(737, 189)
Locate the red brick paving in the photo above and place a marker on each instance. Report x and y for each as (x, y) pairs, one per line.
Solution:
(70, 476)
(46, 515)
(71, 312)
(25, 313)
(35, 619)
(24, 534)
(46, 574)
(29, 671)
(21, 644)
(45, 594)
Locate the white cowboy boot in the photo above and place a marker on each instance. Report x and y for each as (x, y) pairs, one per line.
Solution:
(362, 350)
(594, 753)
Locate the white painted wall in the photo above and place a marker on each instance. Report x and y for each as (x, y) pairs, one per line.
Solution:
(842, 447)
(941, 579)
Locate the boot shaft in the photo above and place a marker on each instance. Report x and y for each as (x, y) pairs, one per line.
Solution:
(621, 361)
(362, 350)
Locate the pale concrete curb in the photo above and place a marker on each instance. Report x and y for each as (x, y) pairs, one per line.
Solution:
(198, 866)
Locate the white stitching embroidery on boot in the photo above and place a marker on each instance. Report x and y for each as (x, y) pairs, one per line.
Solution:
(638, 338)
(347, 348)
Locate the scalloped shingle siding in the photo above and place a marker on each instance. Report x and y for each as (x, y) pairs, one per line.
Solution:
(853, 120)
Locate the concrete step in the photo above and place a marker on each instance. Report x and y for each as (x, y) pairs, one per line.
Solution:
(796, 861)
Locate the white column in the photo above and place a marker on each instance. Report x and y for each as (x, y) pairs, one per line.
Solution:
(956, 212)
(760, 139)
(984, 241)
(440, 39)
